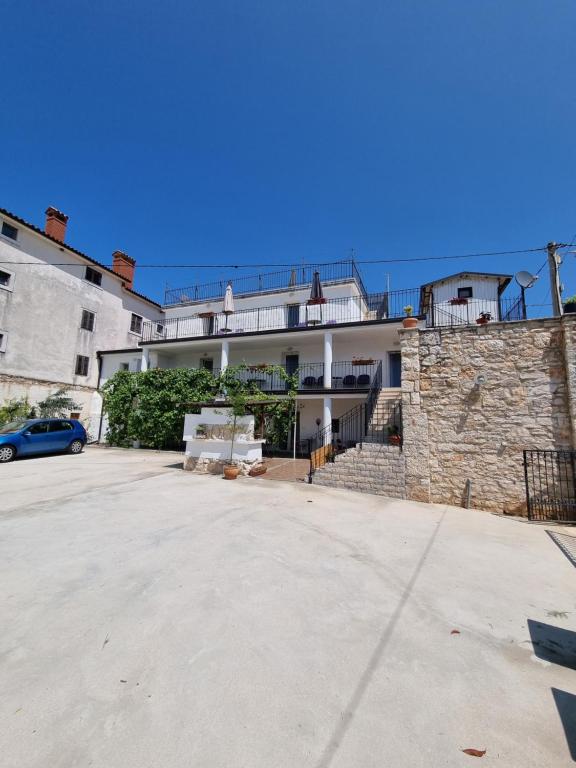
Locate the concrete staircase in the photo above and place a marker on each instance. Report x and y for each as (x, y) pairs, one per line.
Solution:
(372, 466)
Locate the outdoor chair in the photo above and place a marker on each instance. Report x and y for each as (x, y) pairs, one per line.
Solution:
(320, 381)
(309, 381)
(349, 381)
(363, 380)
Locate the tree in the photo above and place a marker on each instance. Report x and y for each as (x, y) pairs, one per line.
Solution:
(57, 405)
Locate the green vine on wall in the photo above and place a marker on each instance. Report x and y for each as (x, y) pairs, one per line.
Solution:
(150, 406)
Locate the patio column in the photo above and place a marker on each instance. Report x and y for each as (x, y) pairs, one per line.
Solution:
(145, 359)
(327, 421)
(328, 360)
(224, 354)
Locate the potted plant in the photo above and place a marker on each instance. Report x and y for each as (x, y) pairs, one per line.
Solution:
(484, 318)
(409, 321)
(570, 305)
(238, 404)
(458, 300)
(394, 437)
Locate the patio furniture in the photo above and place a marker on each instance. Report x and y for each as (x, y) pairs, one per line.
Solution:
(309, 381)
(363, 380)
(349, 381)
(320, 381)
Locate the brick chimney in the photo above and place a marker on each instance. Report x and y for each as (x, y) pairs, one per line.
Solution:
(56, 223)
(124, 266)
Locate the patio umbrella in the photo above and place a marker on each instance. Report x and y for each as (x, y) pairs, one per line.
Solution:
(228, 303)
(316, 295)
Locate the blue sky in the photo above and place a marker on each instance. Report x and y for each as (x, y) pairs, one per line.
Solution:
(287, 131)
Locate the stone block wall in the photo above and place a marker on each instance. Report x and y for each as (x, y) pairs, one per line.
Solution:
(457, 430)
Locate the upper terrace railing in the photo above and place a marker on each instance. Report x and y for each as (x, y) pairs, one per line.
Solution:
(298, 277)
(356, 375)
(352, 309)
(469, 311)
(374, 306)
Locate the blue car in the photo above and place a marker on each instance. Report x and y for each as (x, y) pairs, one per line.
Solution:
(28, 437)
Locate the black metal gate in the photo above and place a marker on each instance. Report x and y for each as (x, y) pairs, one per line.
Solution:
(551, 485)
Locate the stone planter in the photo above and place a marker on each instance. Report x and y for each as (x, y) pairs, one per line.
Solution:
(410, 322)
(231, 471)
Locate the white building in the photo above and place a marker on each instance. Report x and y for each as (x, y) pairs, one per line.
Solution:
(57, 308)
(464, 297)
(342, 348)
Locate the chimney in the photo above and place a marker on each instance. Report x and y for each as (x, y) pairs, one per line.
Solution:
(56, 223)
(124, 266)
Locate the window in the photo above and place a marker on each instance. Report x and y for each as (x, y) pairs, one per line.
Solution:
(124, 366)
(82, 365)
(136, 324)
(41, 428)
(3, 338)
(87, 322)
(60, 426)
(336, 426)
(9, 231)
(6, 279)
(207, 363)
(93, 276)
(465, 293)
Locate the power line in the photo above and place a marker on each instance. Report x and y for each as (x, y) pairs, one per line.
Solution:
(298, 266)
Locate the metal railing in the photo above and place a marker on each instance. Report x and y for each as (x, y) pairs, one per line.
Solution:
(298, 277)
(352, 309)
(550, 479)
(370, 421)
(469, 311)
(349, 375)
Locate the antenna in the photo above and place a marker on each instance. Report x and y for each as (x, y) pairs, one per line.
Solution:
(525, 279)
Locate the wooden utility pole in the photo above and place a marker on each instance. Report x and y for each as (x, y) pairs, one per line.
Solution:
(554, 261)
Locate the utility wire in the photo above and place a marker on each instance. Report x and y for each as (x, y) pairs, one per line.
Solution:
(298, 266)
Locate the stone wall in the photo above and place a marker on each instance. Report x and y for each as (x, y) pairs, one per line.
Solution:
(457, 430)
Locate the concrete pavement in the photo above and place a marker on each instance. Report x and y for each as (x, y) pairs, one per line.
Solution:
(152, 618)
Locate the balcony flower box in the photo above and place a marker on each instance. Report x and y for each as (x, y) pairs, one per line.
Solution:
(456, 301)
(363, 361)
(312, 302)
(258, 367)
(205, 315)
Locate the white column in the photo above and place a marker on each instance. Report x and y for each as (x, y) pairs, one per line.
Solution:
(327, 361)
(327, 421)
(145, 359)
(224, 355)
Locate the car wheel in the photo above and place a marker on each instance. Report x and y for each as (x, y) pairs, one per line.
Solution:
(7, 453)
(76, 446)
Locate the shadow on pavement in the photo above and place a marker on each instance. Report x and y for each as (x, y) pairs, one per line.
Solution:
(553, 644)
(566, 705)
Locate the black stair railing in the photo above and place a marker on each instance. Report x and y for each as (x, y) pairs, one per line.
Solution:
(369, 421)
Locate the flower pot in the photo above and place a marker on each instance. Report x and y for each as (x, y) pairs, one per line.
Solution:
(361, 361)
(410, 322)
(394, 439)
(482, 321)
(231, 472)
(312, 302)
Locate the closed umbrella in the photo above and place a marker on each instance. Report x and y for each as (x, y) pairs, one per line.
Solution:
(228, 303)
(316, 294)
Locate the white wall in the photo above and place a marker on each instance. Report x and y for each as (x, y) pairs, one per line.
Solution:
(484, 299)
(40, 316)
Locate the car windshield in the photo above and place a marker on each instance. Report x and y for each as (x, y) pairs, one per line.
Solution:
(12, 426)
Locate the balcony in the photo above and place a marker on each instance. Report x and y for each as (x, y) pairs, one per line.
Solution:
(353, 309)
(456, 312)
(298, 277)
(347, 377)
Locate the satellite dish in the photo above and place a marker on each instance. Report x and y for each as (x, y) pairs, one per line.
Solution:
(525, 279)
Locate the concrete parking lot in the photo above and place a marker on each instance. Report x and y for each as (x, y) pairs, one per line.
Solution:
(152, 618)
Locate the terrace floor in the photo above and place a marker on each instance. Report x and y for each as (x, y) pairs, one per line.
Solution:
(152, 617)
